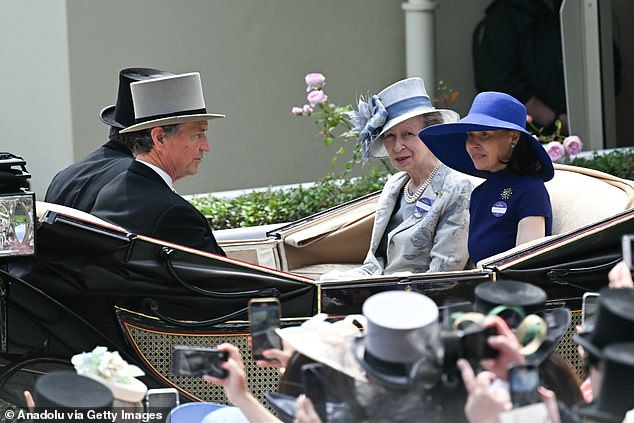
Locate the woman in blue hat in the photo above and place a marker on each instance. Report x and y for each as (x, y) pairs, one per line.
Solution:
(512, 206)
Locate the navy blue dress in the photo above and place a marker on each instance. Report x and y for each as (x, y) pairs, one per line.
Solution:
(496, 208)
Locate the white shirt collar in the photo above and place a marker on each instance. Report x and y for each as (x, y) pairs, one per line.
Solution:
(161, 173)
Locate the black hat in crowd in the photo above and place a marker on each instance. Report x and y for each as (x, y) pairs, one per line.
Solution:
(616, 396)
(613, 322)
(121, 115)
(68, 390)
(513, 301)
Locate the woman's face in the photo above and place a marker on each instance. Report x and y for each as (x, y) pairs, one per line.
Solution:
(406, 150)
(490, 150)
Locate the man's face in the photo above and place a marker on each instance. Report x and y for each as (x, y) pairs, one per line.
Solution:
(183, 151)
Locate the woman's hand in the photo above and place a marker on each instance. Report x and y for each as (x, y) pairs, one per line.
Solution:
(304, 411)
(277, 358)
(235, 384)
(620, 276)
(484, 404)
(507, 345)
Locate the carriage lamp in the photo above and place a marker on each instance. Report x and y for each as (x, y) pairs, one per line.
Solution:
(17, 226)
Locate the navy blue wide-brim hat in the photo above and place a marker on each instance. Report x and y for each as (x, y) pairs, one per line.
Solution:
(490, 111)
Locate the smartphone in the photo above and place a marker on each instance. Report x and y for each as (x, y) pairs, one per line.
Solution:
(264, 318)
(160, 401)
(313, 382)
(626, 247)
(523, 384)
(589, 306)
(198, 361)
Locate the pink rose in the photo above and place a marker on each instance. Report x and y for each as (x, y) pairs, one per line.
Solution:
(297, 111)
(573, 144)
(555, 150)
(316, 97)
(529, 119)
(314, 81)
(307, 110)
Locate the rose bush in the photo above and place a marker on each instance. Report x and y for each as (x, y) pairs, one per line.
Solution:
(559, 147)
(331, 119)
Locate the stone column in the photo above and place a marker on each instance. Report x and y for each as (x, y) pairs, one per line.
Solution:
(420, 41)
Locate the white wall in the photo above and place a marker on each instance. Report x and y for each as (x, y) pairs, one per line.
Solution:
(35, 112)
(252, 56)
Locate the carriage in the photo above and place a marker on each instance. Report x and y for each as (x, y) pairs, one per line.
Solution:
(92, 283)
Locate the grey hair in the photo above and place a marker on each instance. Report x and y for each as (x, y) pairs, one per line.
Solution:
(142, 142)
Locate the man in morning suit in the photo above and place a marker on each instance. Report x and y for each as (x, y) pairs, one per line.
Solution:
(77, 185)
(171, 124)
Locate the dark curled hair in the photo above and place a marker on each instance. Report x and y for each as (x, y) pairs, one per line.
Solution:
(141, 141)
(522, 160)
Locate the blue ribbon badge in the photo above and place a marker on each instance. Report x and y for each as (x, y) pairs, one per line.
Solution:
(499, 209)
(423, 205)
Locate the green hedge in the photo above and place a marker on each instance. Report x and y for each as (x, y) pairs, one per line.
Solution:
(288, 205)
(278, 206)
(619, 163)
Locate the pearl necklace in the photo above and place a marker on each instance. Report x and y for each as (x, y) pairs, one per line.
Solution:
(410, 198)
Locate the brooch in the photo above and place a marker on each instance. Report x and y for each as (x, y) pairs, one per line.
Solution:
(506, 194)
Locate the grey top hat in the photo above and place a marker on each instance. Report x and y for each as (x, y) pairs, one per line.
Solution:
(167, 101)
(121, 115)
(402, 330)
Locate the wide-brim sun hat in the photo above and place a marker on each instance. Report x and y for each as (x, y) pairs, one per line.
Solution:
(402, 329)
(121, 114)
(400, 101)
(490, 111)
(328, 343)
(168, 100)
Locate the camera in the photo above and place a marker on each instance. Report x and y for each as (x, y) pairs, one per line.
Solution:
(469, 343)
(195, 361)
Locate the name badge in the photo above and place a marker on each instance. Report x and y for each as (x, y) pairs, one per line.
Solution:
(499, 209)
(423, 205)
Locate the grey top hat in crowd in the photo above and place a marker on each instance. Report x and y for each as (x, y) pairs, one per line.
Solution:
(402, 331)
(121, 114)
(168, 100)
(613, 321)
(616, 396)
(398, 102)
(68, 390)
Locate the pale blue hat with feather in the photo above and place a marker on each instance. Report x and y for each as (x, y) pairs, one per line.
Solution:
(398, 102)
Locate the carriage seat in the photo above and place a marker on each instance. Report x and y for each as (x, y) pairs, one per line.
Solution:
(579, 197)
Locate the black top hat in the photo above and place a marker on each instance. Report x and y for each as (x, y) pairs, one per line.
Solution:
(68, 390)
(617, 389)
(121, 115)
(614, 321)
(514, 300)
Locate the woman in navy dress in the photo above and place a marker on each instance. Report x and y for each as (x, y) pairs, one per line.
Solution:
(512, 205)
